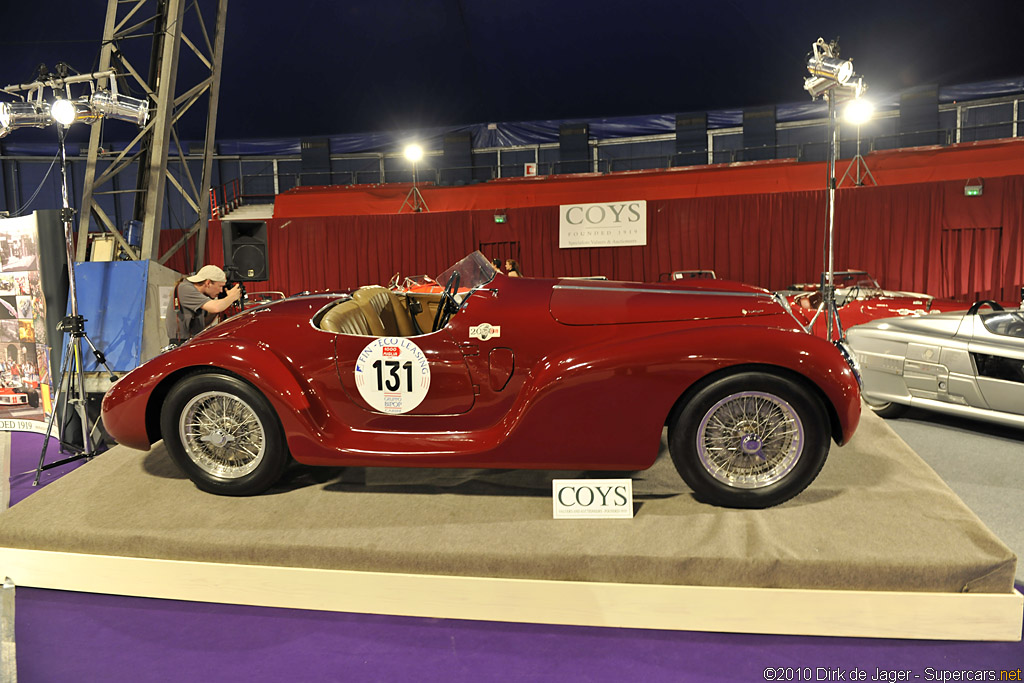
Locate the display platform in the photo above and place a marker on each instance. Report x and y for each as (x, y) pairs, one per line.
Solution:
(878, 547)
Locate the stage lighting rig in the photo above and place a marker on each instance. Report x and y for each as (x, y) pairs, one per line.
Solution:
(63, 111)
(832, 78)
(34, 112)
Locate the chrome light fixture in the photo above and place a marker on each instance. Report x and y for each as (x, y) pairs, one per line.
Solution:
(832, 68)
(23, 115)
(109, 104)
(818, 86)
(826, 69)
(65, 112)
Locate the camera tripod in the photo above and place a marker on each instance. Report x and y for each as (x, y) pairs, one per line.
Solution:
(71, 387)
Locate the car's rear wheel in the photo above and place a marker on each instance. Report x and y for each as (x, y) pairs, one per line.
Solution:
(750, 440)
(887, 409)
(224, 434)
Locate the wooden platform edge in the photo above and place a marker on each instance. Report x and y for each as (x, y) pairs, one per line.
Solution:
(865, 614)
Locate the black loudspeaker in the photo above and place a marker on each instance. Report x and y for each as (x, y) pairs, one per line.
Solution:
(759, 133)
(574, 148)
(245, 250)
(919, 117)
(691, 140)
(457, 166)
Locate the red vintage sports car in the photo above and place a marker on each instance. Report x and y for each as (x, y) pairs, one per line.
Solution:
(500, 372)
(859, 299)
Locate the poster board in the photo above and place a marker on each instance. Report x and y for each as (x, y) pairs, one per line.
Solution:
(26, 335)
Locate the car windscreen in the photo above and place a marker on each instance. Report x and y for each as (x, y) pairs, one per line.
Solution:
(474, 271)
(1004, 323)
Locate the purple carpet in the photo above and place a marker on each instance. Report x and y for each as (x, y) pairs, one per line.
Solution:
(25, 450)
(65, 636)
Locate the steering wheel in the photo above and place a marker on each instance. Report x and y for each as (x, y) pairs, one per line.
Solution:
(448, 303)
(978, 304)
(393, 283)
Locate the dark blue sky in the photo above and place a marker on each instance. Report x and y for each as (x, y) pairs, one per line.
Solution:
(317, 67)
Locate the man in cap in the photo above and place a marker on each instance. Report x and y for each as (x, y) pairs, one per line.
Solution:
(194, 304)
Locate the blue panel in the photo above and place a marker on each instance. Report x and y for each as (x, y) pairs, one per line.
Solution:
(112, 299)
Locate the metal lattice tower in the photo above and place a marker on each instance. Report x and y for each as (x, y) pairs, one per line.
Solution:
(169, 24)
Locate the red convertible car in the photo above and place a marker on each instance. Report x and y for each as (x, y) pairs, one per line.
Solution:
(500, 372)
(859, 299)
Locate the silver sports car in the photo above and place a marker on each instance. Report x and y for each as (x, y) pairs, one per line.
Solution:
(969, 363)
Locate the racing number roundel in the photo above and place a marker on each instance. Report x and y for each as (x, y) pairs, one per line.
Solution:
(392, 375)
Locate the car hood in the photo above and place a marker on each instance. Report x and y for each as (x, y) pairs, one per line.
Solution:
(582, 302)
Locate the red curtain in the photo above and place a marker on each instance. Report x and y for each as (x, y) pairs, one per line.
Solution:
(923, 237)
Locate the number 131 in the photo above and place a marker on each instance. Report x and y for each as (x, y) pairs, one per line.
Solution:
(393, 382)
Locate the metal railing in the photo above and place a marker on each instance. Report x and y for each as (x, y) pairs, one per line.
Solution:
(607, 156)
(225, 198)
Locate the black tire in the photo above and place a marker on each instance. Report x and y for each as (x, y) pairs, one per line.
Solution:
(719, 437)
(235, 446)
(33, 397)
(887, 409)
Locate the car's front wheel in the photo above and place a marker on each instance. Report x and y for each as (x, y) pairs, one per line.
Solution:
(224, 434)
(750, 440)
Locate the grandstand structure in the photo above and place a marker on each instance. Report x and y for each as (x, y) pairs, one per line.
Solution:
(927, 140)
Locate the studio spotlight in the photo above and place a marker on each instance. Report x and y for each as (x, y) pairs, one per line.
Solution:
(414, 153)
(63, 111)
(23, 115)
(817, 86)
(859, 111)
(832, 68)
(119, 107)
(827, 70)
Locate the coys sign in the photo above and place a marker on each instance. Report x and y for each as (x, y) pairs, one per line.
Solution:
(609, 224)
(590, 498)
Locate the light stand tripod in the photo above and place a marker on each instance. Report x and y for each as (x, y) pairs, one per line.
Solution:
(831, 76)
(856, 164)
(71, 387)
(828, 290)
(414, 199)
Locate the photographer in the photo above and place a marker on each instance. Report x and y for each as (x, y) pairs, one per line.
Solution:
(194, 305)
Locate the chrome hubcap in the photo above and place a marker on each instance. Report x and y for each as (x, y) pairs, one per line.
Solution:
(222, 434)
(750, 440)
(750, 444)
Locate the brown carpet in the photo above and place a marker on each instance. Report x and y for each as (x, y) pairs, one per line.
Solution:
(877, 518)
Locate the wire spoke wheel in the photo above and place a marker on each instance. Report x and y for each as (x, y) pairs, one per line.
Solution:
(222, 434)
(750, 439)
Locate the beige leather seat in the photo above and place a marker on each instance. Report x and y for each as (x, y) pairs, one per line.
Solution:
(384, 312)
(346, 318)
